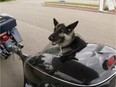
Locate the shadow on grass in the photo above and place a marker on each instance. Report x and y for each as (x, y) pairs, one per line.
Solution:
(6, 0)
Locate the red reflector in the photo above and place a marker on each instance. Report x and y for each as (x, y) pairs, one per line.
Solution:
(111, 62)
(5, 38)
(0, 43)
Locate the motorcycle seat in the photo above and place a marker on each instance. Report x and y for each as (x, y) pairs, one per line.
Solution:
(76, 70)
(6, 23)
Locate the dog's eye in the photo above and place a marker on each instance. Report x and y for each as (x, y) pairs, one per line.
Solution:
(69, 30)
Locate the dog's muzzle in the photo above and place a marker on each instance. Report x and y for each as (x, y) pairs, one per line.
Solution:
(56, 39)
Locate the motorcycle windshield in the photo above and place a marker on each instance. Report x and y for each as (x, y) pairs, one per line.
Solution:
(76, 71)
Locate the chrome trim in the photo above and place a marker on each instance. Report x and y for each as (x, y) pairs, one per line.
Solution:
(16, 35)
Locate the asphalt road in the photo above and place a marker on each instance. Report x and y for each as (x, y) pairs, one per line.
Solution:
(94, 27)
(35, 25)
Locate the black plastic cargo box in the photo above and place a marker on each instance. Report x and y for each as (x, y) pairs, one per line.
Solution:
(7, 23)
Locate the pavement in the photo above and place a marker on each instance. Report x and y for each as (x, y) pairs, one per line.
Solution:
(35, 25)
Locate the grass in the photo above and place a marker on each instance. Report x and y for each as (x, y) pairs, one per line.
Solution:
(73, 3)
(5, 0)
(76, 3)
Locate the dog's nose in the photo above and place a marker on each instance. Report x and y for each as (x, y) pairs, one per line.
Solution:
(51, 38)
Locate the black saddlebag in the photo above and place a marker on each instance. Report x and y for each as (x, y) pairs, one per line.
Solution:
(6, 23)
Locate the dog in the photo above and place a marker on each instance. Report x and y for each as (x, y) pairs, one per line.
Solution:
(66, 39)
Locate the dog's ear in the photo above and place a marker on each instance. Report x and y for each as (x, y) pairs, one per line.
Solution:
(71, 27)
(55, 21)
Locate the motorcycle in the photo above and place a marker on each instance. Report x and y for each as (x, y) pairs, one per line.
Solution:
(93, 68)
(9, 36)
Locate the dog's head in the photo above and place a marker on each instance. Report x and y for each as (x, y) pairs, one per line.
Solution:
(62, 34)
